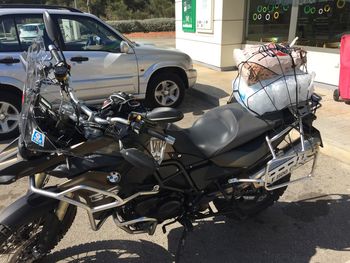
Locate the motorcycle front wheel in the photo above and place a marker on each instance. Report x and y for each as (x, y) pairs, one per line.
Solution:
(35, 237)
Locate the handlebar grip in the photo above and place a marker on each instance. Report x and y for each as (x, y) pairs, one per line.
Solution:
(55, 54)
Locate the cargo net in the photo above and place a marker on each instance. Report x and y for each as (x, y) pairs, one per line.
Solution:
(272, 77)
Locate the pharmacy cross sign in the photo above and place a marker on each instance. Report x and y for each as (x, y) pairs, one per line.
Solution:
(189, 15)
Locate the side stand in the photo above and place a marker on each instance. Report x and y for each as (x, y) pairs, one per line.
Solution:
(188, 227)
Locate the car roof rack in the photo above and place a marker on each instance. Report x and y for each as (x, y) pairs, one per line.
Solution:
(40, 6)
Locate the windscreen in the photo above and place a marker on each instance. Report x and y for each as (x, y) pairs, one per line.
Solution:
(45, 125)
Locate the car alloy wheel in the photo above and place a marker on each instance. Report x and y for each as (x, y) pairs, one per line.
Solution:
(9, 117)
(167, 93)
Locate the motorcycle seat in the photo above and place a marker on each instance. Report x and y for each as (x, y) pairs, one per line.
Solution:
(164, 115)
(227, 127)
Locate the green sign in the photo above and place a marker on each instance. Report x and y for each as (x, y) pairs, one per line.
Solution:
(189, 15)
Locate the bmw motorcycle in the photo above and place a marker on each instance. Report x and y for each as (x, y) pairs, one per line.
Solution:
(137, 166)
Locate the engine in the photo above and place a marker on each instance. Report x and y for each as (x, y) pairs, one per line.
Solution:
(161, 207)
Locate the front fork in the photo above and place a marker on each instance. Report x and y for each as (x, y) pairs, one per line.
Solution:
(41, 180)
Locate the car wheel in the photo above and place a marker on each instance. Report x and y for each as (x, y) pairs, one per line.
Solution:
(165, 90)
(336, 95)
(10, 108)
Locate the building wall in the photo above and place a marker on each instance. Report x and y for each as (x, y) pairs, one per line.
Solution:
(214, 48)
(325, 65)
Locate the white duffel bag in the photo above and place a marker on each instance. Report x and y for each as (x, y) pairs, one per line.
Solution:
(273, 94)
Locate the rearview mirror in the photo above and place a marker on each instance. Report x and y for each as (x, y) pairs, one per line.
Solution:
(124, 47)
(51, 28)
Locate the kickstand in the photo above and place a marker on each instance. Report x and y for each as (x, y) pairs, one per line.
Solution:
(188, 227)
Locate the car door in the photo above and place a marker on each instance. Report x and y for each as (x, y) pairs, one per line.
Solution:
(98, 66)
(11, 70)
(11, 74)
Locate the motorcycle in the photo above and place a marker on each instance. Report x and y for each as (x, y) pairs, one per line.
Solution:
(137, 166)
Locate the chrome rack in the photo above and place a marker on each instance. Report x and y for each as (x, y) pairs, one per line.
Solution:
(282, 165)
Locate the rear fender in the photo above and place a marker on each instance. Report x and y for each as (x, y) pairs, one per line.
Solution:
(25, 208)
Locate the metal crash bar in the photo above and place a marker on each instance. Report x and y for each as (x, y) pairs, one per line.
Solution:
(62, 196)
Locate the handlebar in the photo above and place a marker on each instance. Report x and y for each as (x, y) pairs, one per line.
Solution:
(91, 114)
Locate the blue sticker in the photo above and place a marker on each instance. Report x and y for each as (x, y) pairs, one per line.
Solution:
(38, 138)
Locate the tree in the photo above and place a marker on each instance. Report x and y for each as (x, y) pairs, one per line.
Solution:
(113, 9)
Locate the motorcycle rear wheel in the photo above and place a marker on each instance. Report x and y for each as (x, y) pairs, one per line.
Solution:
(23, 243)
(244, 208)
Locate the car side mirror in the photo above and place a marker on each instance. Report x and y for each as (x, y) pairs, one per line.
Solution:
(124, 47)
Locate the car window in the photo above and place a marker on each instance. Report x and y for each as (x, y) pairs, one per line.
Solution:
(30, 28)
(85, 34)
(8, 36)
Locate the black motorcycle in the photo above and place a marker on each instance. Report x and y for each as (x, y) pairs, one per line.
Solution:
(137, 166)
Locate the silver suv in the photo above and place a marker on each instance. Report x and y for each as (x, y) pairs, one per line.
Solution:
(103, 61)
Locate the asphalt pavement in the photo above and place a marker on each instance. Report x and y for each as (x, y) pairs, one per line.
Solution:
(310, 223)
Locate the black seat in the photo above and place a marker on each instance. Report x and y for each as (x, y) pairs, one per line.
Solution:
(225, 128)
(164, 115)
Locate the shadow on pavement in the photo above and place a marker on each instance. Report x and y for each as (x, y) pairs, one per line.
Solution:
(218, 92)
(195, 104)
(125, 251)
(208, 93)
(287, 232)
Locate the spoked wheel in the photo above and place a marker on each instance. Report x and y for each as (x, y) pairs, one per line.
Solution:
(251, 202)
(21, 246)
(35, 238)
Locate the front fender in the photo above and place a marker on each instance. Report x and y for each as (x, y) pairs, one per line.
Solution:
(144, 79)
(25, 208)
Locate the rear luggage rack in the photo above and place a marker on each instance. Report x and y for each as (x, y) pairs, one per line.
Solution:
(40, 6)
(301, 152)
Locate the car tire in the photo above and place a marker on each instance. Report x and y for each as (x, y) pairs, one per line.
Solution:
(336, 96)
(10, 108)
(165, 90)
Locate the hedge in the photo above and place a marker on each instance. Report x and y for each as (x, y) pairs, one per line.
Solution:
(146, 25)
